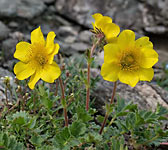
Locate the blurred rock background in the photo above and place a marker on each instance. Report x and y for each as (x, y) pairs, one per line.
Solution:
(71, 21)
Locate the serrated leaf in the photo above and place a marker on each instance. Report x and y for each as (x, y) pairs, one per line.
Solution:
(77, 128)
(62, 138)
(20, 118)
(83, 115)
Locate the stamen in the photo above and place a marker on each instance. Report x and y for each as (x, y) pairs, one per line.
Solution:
(128, 62)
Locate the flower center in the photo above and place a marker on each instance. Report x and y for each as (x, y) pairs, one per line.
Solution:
(41, 60)
(128, 62)
(39, 55)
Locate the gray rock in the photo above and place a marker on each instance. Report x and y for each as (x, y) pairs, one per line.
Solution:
(4, 72)
(133, 14)
(45, 28)
(145, 95)
(65, 48)
(13, 24)
(85, 36)
(4, 31)
(65, 31)
(10, 64)
(22, 8)
(30, 8)
(8, 48)
(48, 1)
(156, 29)
(70, 39)
(62, 20)
(79, 47)
(71, 49)
(8, 8)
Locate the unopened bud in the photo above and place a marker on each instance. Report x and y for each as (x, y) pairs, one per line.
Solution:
(27, 94)
(16, 80)
(18, 89)
(67, 73)
(63, 66)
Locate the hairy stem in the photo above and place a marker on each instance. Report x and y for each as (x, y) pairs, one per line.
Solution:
(63, 99)
(104, 122)
(88, 72)
(107, 114)
(6, 95)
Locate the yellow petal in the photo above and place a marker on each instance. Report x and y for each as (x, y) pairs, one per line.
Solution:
(34, 79)
(146, 74)
(143, 42)
(129, 77)
(50, 72)
(51, 56)
(126, 39)
(37, 36)
(97, 16)
(111, 53)
(111, 30)
(50, 42)
(102, 22)
(56, 49)
(109, 72)
(149, 57)
(23, 70)
(23, 51)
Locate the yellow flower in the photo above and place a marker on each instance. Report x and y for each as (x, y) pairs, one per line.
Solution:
(104, 23)
(129, 60)
(36, 59)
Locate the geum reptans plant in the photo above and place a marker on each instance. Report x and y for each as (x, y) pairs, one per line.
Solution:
(129, 60)
(36, 59)
(105, 31)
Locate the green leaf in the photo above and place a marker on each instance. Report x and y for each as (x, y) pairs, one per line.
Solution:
(20, 118)
(109, 108)
(120, 105)
(83, 115)
(47, 102)
(94, 137)
(100, 118)
(32, 123)
(62, 138)
(36, 140)
(160, 110)
(41, 90)
(77, 128)
(122, 114)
